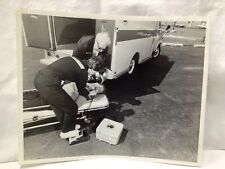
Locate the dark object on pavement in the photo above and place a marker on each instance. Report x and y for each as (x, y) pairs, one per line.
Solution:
(82, 139)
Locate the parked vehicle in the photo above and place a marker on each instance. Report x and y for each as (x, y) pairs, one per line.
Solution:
(180, 25)
(202, 25)
(132, 42)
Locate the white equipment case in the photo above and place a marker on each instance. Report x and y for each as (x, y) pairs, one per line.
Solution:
(109, 131)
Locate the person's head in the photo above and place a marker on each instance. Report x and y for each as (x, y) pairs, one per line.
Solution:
(102, 41)
(96, 63)
(84, 47)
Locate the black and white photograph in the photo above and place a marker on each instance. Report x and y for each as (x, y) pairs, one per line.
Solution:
(129, 87)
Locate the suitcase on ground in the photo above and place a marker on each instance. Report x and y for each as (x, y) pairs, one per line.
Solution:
(109, 131)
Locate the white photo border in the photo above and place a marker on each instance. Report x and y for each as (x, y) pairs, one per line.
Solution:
(19, 35)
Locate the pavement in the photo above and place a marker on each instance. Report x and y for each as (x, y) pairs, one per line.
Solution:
(184, 37)
(159, 107)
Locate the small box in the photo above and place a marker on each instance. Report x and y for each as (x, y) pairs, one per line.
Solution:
(109, 131)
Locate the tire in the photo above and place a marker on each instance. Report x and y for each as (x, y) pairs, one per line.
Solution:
(132, 66)
(156, 52)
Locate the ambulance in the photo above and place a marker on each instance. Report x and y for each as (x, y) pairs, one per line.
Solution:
(132, 42)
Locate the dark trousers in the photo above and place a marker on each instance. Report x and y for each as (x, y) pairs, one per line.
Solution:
(62, 104)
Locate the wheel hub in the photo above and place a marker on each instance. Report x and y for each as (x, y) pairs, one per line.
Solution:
(131, 66)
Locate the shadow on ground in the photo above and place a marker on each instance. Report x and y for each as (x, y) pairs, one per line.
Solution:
(126, 88)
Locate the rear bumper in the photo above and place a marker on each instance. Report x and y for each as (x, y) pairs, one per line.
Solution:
(110, 74)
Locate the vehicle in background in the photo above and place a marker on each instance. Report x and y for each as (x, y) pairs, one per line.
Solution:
(202, 25)
(179, 25)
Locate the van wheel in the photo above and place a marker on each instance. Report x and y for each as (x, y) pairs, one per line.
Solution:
(156, 52)
(132, 66)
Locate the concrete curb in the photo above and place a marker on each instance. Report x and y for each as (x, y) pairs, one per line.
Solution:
(199, 45)
(181, 45)
(182, 37)
(172, 44)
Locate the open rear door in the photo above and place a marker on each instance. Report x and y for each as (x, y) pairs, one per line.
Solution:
(67, 31)
(53, 32)
(37, 31)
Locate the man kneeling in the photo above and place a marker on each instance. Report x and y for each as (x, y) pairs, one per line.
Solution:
(48, 82)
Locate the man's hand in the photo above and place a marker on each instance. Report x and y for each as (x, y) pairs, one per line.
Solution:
(91, 72)
(92, 94)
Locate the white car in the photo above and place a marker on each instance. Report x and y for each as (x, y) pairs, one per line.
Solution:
(202, 26)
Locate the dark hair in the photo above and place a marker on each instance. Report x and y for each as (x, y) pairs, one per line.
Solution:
(98, 63)
(84, 47)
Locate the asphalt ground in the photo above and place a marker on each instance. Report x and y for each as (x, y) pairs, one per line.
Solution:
(186, 36)
(159, 107)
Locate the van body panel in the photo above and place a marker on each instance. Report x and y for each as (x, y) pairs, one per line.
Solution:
(124, 53)
(133, 37)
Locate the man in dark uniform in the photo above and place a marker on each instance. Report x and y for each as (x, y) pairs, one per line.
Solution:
(74, 69)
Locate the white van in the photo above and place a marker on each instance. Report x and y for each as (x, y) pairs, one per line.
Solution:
(132, 42)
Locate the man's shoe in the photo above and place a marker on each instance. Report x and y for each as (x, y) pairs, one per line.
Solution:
(73, 133)
(85, 137)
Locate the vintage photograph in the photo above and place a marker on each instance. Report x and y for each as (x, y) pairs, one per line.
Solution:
(129, 87)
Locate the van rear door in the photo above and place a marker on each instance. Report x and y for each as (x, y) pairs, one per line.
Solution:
(37, 31)
(53, 33)
(68, 31)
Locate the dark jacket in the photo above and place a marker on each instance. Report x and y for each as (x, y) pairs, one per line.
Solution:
(64, 69)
